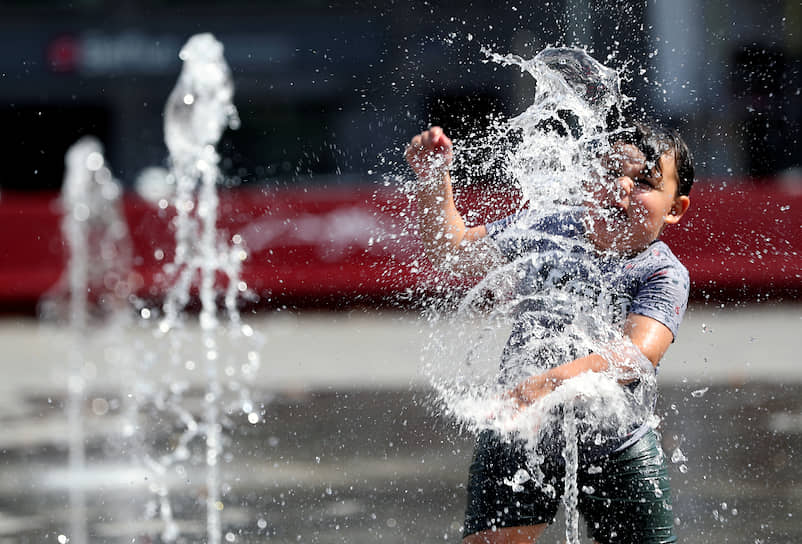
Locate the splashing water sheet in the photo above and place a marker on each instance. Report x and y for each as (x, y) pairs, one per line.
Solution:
(553, 303)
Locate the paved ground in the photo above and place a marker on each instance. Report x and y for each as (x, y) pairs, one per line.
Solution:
(380, 350)
(348, 448)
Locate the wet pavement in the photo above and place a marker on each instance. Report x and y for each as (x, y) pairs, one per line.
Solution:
(365, 458)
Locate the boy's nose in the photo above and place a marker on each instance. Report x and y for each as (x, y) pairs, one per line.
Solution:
(625, 187)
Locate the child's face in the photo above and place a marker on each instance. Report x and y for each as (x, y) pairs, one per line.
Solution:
(634, 202)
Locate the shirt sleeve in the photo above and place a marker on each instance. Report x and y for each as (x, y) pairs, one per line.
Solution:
(663, 296)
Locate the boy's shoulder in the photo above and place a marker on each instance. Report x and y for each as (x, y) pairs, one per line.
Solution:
(659, 284)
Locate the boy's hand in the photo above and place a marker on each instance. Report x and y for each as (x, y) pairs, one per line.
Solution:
(531, 390)
(430, 154)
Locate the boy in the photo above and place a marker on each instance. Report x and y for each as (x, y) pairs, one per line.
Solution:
(626, 495)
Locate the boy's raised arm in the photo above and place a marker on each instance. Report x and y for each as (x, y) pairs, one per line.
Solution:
(448, 242)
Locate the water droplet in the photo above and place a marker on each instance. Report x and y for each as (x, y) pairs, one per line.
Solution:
(94, 161)
(517, 481)
(699, 392)
(80, 212)
(100, 406)
(677, 456)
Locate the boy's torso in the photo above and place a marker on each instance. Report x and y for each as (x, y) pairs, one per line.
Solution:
(568, 299)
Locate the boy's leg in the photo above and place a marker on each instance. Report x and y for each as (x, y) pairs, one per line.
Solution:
(629, 500)
(502, 507)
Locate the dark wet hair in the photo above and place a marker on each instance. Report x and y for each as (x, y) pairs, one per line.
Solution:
(647, 135)
(654, 140)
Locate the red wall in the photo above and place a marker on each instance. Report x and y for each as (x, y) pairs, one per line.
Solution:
(324, 245)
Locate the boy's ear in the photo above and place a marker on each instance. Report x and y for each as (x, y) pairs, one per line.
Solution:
(678, 209)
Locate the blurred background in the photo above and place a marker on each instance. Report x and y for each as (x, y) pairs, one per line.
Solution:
(328, 94)
(324, 88)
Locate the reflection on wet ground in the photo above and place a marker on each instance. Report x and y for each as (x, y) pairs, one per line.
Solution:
(378, 466)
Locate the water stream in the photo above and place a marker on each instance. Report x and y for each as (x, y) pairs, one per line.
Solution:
(205, 266)
(197, 112)
(99, 258)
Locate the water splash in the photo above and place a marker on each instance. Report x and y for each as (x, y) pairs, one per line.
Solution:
(96, 281)
(198, 111)
(557, 301)
(200, 106)
(95, 285)
(574, 94)
(99, 282)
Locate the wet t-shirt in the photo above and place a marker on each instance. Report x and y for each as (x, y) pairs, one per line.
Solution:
(568, 298)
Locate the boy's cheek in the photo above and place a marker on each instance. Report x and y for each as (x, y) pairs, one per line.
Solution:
(603, 193)
(640, 219)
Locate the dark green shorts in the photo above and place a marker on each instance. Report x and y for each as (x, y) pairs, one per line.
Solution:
(623, 498)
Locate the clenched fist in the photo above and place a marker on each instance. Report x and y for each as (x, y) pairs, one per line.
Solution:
(430, 154)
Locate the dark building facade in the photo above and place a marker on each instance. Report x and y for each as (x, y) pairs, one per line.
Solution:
(328, 93)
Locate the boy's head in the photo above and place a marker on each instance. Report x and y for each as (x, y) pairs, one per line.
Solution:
(654, 140)
(649, 177)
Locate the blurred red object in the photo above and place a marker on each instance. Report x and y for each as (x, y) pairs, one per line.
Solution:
(324, 246)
